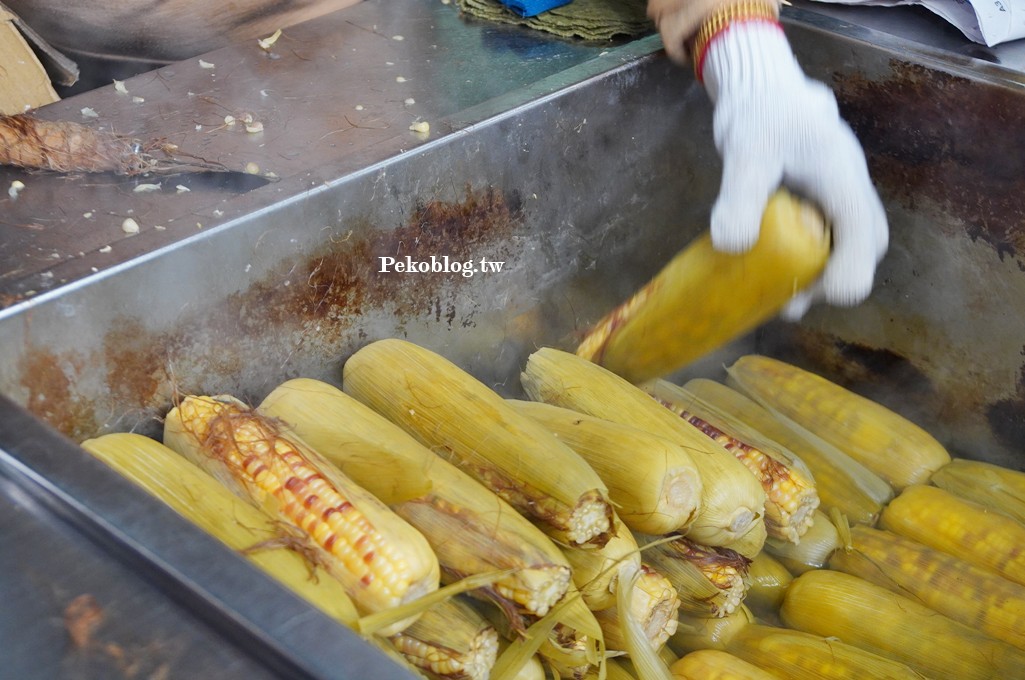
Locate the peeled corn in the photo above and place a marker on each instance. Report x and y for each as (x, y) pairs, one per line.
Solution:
(382, 560)
(732, 500)
(968, 594)
(200, 498)
(883, 441)
(713, 664)
(693, 307)
(471, 530)
(958, 527)
(833, 604)
(467, 423)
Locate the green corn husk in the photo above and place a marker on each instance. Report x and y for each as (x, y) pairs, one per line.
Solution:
(732, 500)
(997, 488)
(834, 604)
(842, 482)
(471, 426)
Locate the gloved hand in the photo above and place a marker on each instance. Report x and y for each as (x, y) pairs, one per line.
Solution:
(773, 125)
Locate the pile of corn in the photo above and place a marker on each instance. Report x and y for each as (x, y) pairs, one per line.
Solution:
(770, 525)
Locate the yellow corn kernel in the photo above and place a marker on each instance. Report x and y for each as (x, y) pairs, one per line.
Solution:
(450, 641)
(713, 664)
(703, 298)
(710, 581)
(885, 442)
(943, 521)
(654, 604)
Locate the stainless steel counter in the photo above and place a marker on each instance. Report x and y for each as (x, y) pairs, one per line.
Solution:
(549, 155)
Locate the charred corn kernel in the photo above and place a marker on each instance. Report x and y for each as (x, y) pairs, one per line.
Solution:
(469, 424)
(796, 655)
(790, 495)
(957, 589)
(732, 500)
(654, 604)
(450, 641)
(693, 307)
(653, 482)
(841, 481)
(885, 442)
(382, 560)
(943, 521)
(204, 501)
(710, 581)
(707, 632)
(596, 570)
(713, 664)
(471, 530)
(815, 549)
(768, 580)
(997, 488)
(834, 604)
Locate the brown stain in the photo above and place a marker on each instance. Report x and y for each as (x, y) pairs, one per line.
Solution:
(957, 142)
(326, 295)
(1006, 417)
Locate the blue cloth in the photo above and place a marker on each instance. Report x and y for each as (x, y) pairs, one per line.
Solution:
(531, 8)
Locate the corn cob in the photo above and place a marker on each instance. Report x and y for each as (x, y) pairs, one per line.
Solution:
(732, 500)
(834, 604)
(469, 424)
(997, 488)
(201, 499)
(961, 591)
(654, 604)
(382, 561)
(706, 632)
(796, 655)
(450, 641)
(767, 580)
(815, 549)
(885, 442)
(596, 571)
(958, 527)
(713, 664)
(471, 530)
(692, 307)
(654, 485)
(709, 581)
(841, 482)
(790, 495)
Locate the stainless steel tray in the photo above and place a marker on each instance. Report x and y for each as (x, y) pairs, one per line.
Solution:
(581, 168)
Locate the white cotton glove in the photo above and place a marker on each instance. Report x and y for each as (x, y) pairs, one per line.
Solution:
(775, 126)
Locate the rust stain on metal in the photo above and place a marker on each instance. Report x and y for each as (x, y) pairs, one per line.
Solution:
(319, 299)
(82, 616)
(959, 143)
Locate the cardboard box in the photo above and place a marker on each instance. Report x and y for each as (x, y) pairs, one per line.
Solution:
(24, 83)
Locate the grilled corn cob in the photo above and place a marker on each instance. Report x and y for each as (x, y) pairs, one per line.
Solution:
(997, 488)
(382, 561)
(841, 482)
(713, 664)
(885, 442)
(790, 495)
(710, 581)
(796, 655)
(653, 483)
(815, 549)
(596, 571)
(469, 424)
(768, 580)
(958, 527)
(654, 604)
(834, 604)
(201, 499)
(450, 641)
(471, 530)
(957, 589)
(732, 500)
(692, 307)
(707, 632)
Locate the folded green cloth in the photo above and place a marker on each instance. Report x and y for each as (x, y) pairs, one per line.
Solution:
(586, 19)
